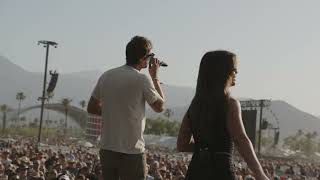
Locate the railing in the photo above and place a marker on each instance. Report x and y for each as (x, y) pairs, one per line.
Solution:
(93, 127)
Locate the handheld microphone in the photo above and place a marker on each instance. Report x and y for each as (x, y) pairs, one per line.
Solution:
(163, 64)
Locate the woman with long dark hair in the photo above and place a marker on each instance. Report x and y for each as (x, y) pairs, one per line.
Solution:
(213, 125)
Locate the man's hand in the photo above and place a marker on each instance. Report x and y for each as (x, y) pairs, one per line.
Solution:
(153, 68)
(153, 71)
(94, 106)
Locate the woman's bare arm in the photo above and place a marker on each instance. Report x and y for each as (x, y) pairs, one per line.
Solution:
(184, 141)
(241, 140)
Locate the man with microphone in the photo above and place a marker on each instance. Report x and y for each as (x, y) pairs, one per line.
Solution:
(119, 97)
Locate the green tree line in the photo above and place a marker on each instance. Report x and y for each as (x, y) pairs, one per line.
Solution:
(162, 126)
(305, 142)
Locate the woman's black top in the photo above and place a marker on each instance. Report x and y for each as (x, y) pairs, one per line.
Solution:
(212, 158)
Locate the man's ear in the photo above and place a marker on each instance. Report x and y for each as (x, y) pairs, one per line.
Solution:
(141, 61)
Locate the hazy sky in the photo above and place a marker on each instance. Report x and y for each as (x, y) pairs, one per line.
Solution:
(277, 41)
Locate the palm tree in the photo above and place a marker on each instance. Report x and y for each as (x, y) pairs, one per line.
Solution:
(168, 113)
(83, 104)
(82, 116)
(309, 146)
(20, 97)
(314, 134)
(300, 132)
(66, 103)
(4, 109)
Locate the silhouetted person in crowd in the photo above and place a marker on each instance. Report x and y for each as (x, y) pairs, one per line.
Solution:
(120, 96)
(213, 124)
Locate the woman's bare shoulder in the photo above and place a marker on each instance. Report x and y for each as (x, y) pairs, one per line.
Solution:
(233, 102)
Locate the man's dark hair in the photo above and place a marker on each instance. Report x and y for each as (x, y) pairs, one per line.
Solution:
(136, 49)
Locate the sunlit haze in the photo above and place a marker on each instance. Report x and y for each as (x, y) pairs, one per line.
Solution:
(277, 42)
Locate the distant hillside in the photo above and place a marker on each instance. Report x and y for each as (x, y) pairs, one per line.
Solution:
(85, 74)
(290, 118)
(7, 66)
(78, 86)
(14, 79)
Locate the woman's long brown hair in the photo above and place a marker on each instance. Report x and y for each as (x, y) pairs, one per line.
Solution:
(209, 105)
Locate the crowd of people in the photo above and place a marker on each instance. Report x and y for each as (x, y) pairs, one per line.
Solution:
(164, 163)
(21, 159)
(291, 168)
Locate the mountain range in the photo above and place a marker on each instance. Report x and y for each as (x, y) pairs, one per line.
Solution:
(79, 85)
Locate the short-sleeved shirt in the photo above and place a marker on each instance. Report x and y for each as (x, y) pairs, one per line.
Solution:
(124, 92)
